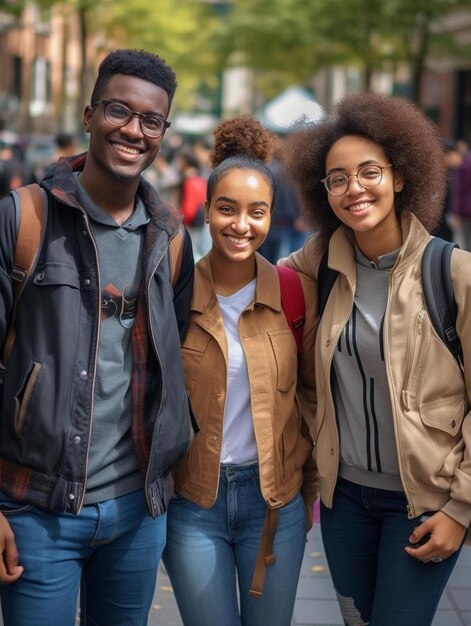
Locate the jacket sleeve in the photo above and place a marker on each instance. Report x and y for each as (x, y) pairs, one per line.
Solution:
(459, 505)
(183, 290)
(7, 251)
(305, 260)
(306, 388)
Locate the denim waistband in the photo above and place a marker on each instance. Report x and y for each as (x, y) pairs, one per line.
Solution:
(239, 471)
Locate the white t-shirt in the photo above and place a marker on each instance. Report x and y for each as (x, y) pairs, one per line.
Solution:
(238, 441)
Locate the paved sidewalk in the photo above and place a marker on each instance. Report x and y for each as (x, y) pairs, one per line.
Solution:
(316, 604)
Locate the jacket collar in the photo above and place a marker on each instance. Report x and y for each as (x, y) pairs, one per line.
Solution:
(267, 292)
(342, 252)
(62, 183)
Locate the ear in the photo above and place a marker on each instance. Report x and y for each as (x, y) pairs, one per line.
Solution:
(206, 212)
(87, 118)
(398, 183)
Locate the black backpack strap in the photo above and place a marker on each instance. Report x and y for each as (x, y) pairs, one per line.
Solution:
(326, 278)
(439, 295)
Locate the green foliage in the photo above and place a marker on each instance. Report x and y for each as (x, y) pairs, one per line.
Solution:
(291, 39)
(12, 7)
(179, 31)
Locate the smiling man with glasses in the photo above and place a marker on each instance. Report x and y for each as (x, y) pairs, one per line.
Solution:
(93, 408)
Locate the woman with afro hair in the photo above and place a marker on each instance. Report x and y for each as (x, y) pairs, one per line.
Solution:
(243, 493)
(393, 429)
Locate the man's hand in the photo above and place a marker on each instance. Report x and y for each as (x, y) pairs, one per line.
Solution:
(10, 570)
(446, 536)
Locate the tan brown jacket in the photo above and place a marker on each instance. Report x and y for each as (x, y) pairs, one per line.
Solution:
(281, 408)
(429, 395)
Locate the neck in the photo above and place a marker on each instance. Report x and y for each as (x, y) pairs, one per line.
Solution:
(374, 246)
(230, 276)
(115, 197)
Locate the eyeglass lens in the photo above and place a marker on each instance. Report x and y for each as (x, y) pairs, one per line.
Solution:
(367, 176)
(119, 115)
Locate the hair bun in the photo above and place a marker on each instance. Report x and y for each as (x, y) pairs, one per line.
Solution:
(242, 136)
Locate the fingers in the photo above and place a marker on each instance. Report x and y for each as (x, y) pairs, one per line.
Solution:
(436, 539)
(6, 577)
(10, 569)
(421, 534)
(425, 554)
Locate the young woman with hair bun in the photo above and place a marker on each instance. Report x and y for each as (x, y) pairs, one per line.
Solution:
(238, 520)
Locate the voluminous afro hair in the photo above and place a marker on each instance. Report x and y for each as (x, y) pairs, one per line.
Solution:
(409, 139)
(241, 143)
(137, 63)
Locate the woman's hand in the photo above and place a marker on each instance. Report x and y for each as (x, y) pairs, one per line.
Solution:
(446, 536)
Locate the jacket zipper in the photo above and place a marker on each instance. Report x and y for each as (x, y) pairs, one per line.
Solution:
(410, 507)
(87, 226)
(152, 501)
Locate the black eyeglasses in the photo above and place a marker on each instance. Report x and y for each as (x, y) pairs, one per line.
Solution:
(368, 176)
(119, 114)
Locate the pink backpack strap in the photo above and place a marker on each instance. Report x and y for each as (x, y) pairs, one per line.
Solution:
(292, 302)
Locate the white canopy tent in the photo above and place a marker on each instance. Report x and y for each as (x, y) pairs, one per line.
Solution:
(293, 106)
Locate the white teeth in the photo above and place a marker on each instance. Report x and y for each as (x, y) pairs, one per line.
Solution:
(360, 207)
(126, 149)
(238, 240)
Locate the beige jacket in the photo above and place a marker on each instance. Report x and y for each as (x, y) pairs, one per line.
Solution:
(281, 408)
(430, 396)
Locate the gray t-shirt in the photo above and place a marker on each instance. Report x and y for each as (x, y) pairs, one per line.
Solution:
(368, 454)
(112, 465)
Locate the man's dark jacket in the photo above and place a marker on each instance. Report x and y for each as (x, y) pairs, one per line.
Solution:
(46, 399)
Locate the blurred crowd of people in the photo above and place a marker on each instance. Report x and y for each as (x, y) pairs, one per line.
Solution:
(180, 174)
(456, 222)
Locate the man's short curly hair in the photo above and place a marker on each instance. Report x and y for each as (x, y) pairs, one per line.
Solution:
(137, 63)
(409, 139)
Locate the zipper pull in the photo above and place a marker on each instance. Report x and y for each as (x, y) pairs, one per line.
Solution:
(406, 399)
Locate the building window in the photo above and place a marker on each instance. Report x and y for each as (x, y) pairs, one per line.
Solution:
(41, 86)
(17, 77)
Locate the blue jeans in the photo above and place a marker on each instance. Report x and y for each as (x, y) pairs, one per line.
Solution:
(211, 551)
(111, 550)
(376, 581)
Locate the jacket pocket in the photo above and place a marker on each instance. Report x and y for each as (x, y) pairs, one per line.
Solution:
(53, 274)
(444, 415)
(23, 398)
(193, 350)
(442, 421)
(286, 359)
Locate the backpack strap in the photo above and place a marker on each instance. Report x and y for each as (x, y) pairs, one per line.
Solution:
(326, 278)
(31, 202)
(292, 302)
(438, 293)
(176, 255)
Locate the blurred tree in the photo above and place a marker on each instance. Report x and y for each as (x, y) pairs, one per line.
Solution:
(292, 39)
(180, 31)
(84, 10)
(12, 7)
(419, 35)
